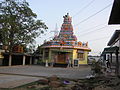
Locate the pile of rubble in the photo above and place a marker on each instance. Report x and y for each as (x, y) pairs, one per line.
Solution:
(53, 83)
(94, 83)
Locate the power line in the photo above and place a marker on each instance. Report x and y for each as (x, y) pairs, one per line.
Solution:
(98, 38)
(93, 14)
(83, 8)
(93, 27)
(93, 30)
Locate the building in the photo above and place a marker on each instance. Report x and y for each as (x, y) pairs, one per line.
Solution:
(112, 53)
(17, 57)
(65, 46)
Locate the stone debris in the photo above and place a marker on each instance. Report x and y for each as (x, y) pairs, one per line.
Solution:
(96, 83)
(55, 84)
(53, 78)
(102, 88)
(43, 81)
(90, 76)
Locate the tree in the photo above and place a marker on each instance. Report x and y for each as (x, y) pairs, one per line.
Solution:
(39, 50)
(0, 38)
(18, 23)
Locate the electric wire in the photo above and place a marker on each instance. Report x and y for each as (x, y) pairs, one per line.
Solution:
(85, 30)
(83, 8)
(98, 39)
(92, 31)
(93, 14)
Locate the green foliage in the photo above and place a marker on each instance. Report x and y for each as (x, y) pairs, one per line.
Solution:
(39, 50)
(0, 38)
(18, 23)
(96, 67)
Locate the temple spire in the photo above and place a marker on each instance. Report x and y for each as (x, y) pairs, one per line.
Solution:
(67, 19)
(67, 29)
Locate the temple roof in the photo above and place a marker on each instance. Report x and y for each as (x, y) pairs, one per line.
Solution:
(66, 37)
(66, 31)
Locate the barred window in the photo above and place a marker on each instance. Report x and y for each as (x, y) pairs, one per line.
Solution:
(80, 56)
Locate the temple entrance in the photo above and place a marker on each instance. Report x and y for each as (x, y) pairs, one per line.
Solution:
(61, 58)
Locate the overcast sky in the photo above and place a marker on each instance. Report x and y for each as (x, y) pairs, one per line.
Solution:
(89, 20)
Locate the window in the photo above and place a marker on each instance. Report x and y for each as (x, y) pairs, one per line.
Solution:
(80, 56)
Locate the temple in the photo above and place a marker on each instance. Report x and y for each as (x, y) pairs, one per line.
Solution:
(64, 46)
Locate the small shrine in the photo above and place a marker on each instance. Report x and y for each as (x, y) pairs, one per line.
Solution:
(64, 46)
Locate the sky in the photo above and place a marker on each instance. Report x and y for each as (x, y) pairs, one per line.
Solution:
(89, 19)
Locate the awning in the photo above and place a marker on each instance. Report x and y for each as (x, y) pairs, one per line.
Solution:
(115, 13)
(62, 51)
(110, 50)
(114, 37)
(21, 54)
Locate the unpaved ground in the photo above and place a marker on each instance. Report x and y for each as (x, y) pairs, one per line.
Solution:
(55, 83)
(36, 71)
(14, 76)
(58, 79)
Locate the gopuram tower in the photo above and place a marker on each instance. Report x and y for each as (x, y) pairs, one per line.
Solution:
(65, 46)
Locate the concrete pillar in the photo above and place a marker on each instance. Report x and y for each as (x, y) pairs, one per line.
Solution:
(110, 57)
(49, 55)
(117, 63)
(1, 58)
(46, 63)
(10, 60)
(24, 59)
